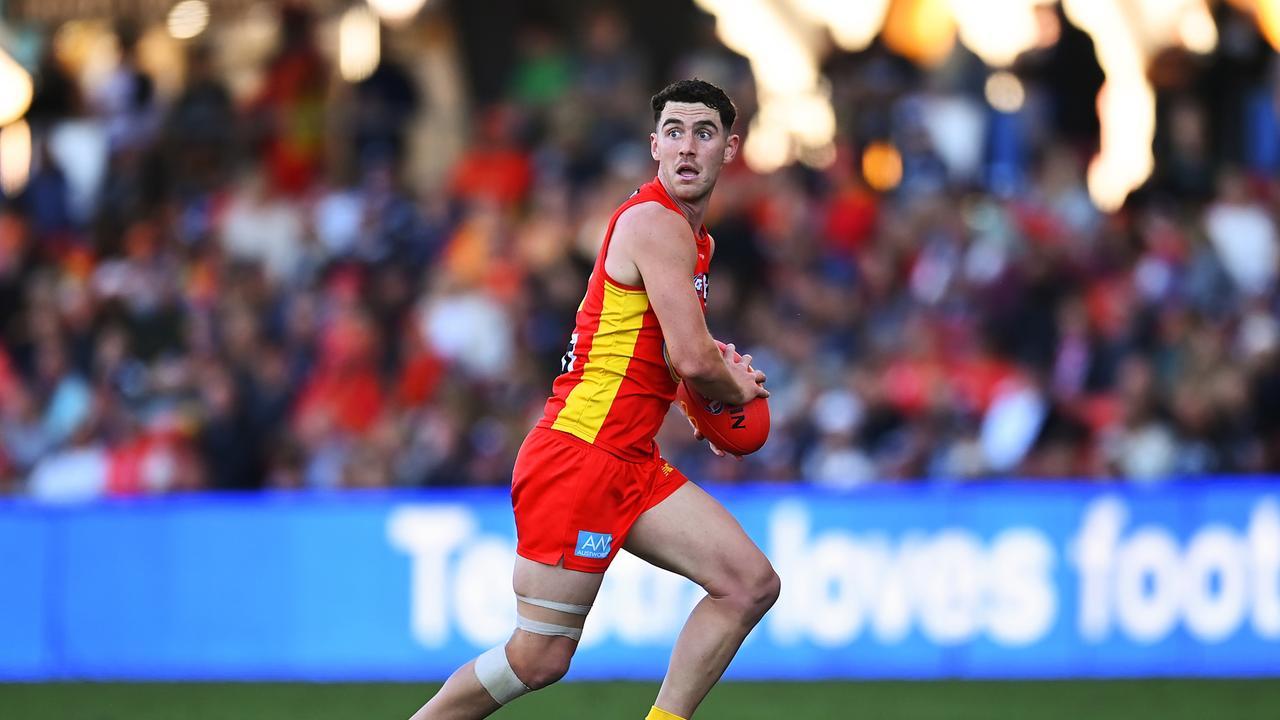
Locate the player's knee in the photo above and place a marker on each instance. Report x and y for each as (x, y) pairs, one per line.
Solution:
(765, 590)
(543, 661)
(754, 588)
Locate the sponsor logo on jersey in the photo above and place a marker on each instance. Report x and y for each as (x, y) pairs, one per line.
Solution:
(593, 545)
(702, 285)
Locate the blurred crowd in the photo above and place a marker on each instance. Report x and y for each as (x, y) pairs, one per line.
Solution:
(254, 297)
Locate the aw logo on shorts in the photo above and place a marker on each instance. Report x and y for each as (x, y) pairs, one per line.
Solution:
(593, 545)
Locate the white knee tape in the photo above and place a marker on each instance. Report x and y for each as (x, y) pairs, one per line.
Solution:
(538, 627)
(494, 672)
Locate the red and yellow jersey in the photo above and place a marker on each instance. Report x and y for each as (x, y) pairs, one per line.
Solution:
(615, 385)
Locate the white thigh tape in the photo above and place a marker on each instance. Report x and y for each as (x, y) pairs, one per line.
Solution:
(495, 674)
(553, 605)
(543, 628)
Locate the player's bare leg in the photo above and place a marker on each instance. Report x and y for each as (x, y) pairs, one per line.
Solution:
(535, 659)
(692, 534)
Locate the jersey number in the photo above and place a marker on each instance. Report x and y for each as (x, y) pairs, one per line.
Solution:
(566, 362)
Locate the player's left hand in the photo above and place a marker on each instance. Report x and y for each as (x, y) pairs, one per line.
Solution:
(717, 451)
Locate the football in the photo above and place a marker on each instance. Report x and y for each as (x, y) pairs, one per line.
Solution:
(737, 429)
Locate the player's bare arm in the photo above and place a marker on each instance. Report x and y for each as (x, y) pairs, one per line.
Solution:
(654, 248)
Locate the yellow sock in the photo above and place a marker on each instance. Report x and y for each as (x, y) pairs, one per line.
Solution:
(658, 713)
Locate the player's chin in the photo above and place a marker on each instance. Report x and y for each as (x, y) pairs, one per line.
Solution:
(691, 188)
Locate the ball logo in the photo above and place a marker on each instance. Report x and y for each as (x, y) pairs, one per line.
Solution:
(737, 412)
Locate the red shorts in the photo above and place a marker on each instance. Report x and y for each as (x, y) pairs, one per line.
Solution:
(575, 501)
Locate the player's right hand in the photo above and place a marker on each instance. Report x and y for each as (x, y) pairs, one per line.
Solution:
(750, 381)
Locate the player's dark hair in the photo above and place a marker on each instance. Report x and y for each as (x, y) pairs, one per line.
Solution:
(696, 91)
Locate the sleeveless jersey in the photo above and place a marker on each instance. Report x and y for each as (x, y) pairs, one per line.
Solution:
(615, 385)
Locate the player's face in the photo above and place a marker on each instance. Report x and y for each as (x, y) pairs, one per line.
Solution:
(690, 146)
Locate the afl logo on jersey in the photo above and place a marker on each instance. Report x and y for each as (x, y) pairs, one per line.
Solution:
(701, 285)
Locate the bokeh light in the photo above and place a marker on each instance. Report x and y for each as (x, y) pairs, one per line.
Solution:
(997, 30)
(15, 89)
(1268, 12)
(359, 44)
(852, 24)
(922, 30)
(15, 157)
(882, 166)
(396, 11)
(188, 19)
(1196, 30)
(1005, 92)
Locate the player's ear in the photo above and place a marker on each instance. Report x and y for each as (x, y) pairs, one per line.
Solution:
(653, 145)
(731, 148)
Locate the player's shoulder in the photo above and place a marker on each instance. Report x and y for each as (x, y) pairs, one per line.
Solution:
(652, 221)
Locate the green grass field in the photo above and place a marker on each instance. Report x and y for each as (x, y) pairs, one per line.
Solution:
(1118, 700)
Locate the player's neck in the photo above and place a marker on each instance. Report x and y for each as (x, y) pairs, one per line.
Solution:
(694, 212)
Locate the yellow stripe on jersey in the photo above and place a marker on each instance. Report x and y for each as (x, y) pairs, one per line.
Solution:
(612, 345)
